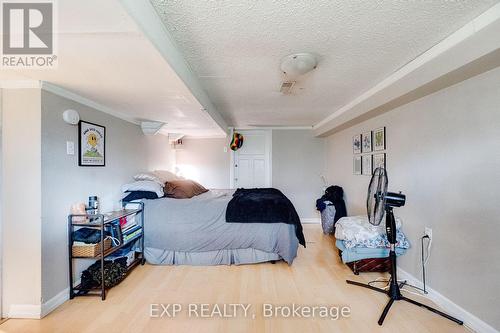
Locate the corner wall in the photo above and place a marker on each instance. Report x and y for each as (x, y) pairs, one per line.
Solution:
(205, 161)
(128, 151)
(40, 182)
(21, 207)
(298, 164)
(443, 152)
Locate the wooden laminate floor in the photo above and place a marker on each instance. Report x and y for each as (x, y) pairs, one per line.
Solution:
(317, 277)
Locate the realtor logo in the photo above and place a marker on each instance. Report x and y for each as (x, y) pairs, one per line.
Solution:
(28, 34)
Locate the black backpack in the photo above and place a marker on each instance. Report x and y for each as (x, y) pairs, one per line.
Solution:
(335, 194)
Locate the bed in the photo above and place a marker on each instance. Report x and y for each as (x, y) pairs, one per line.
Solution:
(195, 232)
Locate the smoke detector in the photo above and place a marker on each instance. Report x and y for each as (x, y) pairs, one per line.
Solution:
(298, 64)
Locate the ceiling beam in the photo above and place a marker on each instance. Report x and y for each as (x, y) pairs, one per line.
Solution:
(146, 17)
(472, 50)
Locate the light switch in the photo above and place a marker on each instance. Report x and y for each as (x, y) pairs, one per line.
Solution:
(70, 148)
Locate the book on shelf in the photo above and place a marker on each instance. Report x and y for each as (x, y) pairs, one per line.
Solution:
(130, 223)
(129, 227)
(132, 234)
(131, 230)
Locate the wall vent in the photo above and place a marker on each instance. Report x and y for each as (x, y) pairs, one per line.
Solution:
(286, 87)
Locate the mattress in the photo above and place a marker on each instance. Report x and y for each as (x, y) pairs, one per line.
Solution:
(194, 231)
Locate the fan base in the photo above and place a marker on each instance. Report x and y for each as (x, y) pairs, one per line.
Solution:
(394, 292)
(395, 295)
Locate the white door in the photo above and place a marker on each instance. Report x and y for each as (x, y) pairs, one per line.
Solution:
(252, 162)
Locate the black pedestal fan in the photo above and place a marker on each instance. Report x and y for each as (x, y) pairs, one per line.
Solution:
(378, 201)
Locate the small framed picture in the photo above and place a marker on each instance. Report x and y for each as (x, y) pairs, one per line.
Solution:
(356, 165)
(366, 142)
(379, 139)
(366, 165)
(378, 161)
(356, 144)
(91, 144)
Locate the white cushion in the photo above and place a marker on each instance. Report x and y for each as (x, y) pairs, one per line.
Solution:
(148, 176)
(144, 185)
(166, 176)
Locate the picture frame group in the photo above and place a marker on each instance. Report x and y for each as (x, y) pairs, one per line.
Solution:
(368, 149)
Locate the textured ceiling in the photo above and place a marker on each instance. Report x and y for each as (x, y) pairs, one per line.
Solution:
(104, 56)
(235, 48)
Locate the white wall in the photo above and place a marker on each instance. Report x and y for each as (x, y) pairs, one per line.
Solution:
(298, 163)
(205, 161)
(40, 182)
(128, 151)
(159, 153)
(443, 152)
(1, 202)
(21, 207)
(298, 160)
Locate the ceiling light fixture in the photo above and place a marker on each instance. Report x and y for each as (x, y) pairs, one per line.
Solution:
(298, 64)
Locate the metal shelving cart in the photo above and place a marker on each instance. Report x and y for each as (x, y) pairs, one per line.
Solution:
(100, 221)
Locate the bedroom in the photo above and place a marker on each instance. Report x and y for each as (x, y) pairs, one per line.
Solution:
(309, 95)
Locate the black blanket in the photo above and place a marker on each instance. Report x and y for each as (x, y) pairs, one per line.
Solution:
(263, 205)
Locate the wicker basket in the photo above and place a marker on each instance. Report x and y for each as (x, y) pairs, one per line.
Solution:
(90, 250)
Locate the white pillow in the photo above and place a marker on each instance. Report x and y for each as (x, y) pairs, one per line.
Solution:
(165, 176)
(144, 185)
(148, 176)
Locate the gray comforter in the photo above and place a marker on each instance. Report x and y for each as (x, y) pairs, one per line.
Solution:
(194, 231)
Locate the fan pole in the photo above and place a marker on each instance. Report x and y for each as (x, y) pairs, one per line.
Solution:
(394, 292)
(390, 226)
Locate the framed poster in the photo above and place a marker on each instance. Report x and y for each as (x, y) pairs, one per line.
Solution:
(356, 165)
(378, 161)
(366, 165)
(379, 139)
(356, 144)
(91, 144)
(366, 142)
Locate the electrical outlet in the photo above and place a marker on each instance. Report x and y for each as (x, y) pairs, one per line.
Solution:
(428, 232)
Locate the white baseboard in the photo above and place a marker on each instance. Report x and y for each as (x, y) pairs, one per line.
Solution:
(24, 311)
(32, 311)
(448, 306)
(54, 302)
